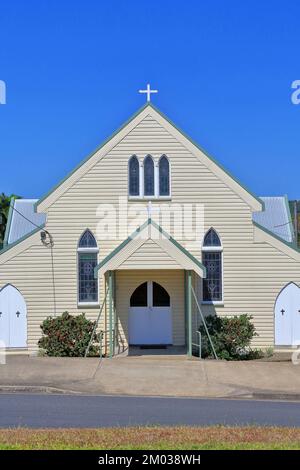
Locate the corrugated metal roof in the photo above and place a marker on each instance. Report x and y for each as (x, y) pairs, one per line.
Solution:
(19, 226)
(276, 217)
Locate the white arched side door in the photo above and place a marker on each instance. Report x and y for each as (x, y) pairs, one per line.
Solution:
(296, 320)
(13, 318)
(4, 317)
(287, 316)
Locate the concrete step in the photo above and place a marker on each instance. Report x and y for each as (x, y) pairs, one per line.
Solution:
(16, 352)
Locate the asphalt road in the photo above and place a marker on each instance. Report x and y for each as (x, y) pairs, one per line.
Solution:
(37, 411)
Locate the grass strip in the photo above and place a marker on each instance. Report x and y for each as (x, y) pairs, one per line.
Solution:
(152, 438)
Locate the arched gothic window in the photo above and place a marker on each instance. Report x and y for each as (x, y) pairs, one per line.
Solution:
(148, 176)
(164, 176)
(134, 176)
(149, 179)
(87, 261)
(212, 260)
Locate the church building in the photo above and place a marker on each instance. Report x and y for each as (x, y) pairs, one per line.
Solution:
(148, 234)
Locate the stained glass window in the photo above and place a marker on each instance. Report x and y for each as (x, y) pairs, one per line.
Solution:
(148, 176)
(212, 260)
(211, 238)
(87, 261)
(212, 284)
(164, 177)
(134, 177)
(87, 240)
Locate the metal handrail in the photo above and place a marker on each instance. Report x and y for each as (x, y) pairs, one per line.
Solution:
(199, 344)
(204, 323)
(96, 325)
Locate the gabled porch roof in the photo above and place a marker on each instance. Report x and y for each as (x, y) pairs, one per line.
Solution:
(150, 230)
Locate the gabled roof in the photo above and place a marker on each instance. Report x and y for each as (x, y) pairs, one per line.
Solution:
(150, 230)
(22, 220)
(254, 202)
(276, 217)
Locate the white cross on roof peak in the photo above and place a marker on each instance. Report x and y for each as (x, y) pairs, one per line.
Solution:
(148, 91)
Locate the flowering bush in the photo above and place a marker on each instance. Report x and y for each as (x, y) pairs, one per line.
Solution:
(67, 335)
(231, 337)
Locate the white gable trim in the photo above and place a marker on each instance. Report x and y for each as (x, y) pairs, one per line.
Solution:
(91, 160)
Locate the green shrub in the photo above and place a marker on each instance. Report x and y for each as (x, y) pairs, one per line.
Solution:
(269, 352)
(67, 335)
(231, 337)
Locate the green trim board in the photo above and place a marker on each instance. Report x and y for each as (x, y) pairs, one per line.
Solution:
(185, 305)
(179, 246)
(189, 314)
(290, 245)
(115, 320)
(110, 300)
(175, 127)
(8, 247)
(136, 233)
(8, 225)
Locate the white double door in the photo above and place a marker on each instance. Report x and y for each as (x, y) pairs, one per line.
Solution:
(13, 318)
(150, 316)
(287, 316)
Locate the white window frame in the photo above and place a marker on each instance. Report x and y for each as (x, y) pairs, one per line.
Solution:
(214, 249)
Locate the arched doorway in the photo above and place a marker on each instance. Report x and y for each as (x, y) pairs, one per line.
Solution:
(287, 316)
(150, 316)
(13, 318)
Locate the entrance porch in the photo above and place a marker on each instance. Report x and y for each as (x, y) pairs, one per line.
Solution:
(149, 310)
(150, 307)
(148, 280)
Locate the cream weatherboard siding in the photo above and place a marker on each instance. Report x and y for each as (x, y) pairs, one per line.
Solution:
(150, 256)
(254, 271)
(254, 274)
(27, 266)
(171, 280)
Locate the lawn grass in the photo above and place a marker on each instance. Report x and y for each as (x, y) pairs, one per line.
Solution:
(152, 438)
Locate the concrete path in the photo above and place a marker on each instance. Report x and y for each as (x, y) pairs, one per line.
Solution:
(51, 411)
(152, 376)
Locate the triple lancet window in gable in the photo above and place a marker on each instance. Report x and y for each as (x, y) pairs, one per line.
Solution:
(212, 260)
(134, 176)
(87, 261)
(149, 178)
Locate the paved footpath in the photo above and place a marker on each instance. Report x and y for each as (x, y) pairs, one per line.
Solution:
(153, 376)
(53, 411)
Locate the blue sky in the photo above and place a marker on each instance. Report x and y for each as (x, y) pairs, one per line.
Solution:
(223, 69)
